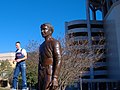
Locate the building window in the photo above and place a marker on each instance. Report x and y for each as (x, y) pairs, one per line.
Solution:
(100, 68)
(77, 34)
(96, 25)
(97, 34)
(98, 42)
(86, 77)
(77, 26)
(100, 76)
(102, 60)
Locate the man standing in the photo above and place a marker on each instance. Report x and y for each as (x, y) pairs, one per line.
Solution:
(20, 57)
(49, 60)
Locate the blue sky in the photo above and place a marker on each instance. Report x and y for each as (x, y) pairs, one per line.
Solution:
(20, 19)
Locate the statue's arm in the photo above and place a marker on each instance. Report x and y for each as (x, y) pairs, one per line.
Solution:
(57, 59)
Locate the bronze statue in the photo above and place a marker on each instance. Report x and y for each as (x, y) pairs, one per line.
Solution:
(49, 60)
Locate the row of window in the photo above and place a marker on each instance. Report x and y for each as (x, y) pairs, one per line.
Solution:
(85, 42)
(75, 34)
(85, 26)
(100, 68)
(95, 77)
(97, 68)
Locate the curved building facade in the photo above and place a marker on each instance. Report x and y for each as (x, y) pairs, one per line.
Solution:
(107, 74)
(79, 31)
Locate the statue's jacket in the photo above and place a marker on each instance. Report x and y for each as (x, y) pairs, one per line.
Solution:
(50, 57)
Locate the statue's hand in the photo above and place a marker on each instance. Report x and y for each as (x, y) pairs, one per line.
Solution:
(54, 83)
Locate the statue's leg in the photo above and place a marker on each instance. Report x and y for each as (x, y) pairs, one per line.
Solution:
(41, 80)
(48, 77)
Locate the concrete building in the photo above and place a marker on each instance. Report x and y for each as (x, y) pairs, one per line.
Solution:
(107, 76)
(112, 31)
(79, 29)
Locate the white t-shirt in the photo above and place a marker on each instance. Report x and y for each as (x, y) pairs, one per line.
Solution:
(23, 51)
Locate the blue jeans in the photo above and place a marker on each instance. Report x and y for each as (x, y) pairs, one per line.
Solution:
(20, 67)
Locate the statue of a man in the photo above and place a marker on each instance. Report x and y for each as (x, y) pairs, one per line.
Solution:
(49, 59)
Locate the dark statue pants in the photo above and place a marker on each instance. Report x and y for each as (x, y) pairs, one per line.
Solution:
(45, 78)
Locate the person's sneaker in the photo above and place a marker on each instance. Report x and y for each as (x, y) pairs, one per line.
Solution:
(13, 89)
(25, 89)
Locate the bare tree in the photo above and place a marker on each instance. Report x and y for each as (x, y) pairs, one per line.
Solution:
(32, 62)
(77, 56)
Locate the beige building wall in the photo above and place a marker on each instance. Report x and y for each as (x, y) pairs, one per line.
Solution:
(10, 56)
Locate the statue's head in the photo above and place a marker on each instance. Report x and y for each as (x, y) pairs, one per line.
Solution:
(46, 29)
(48, 25)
